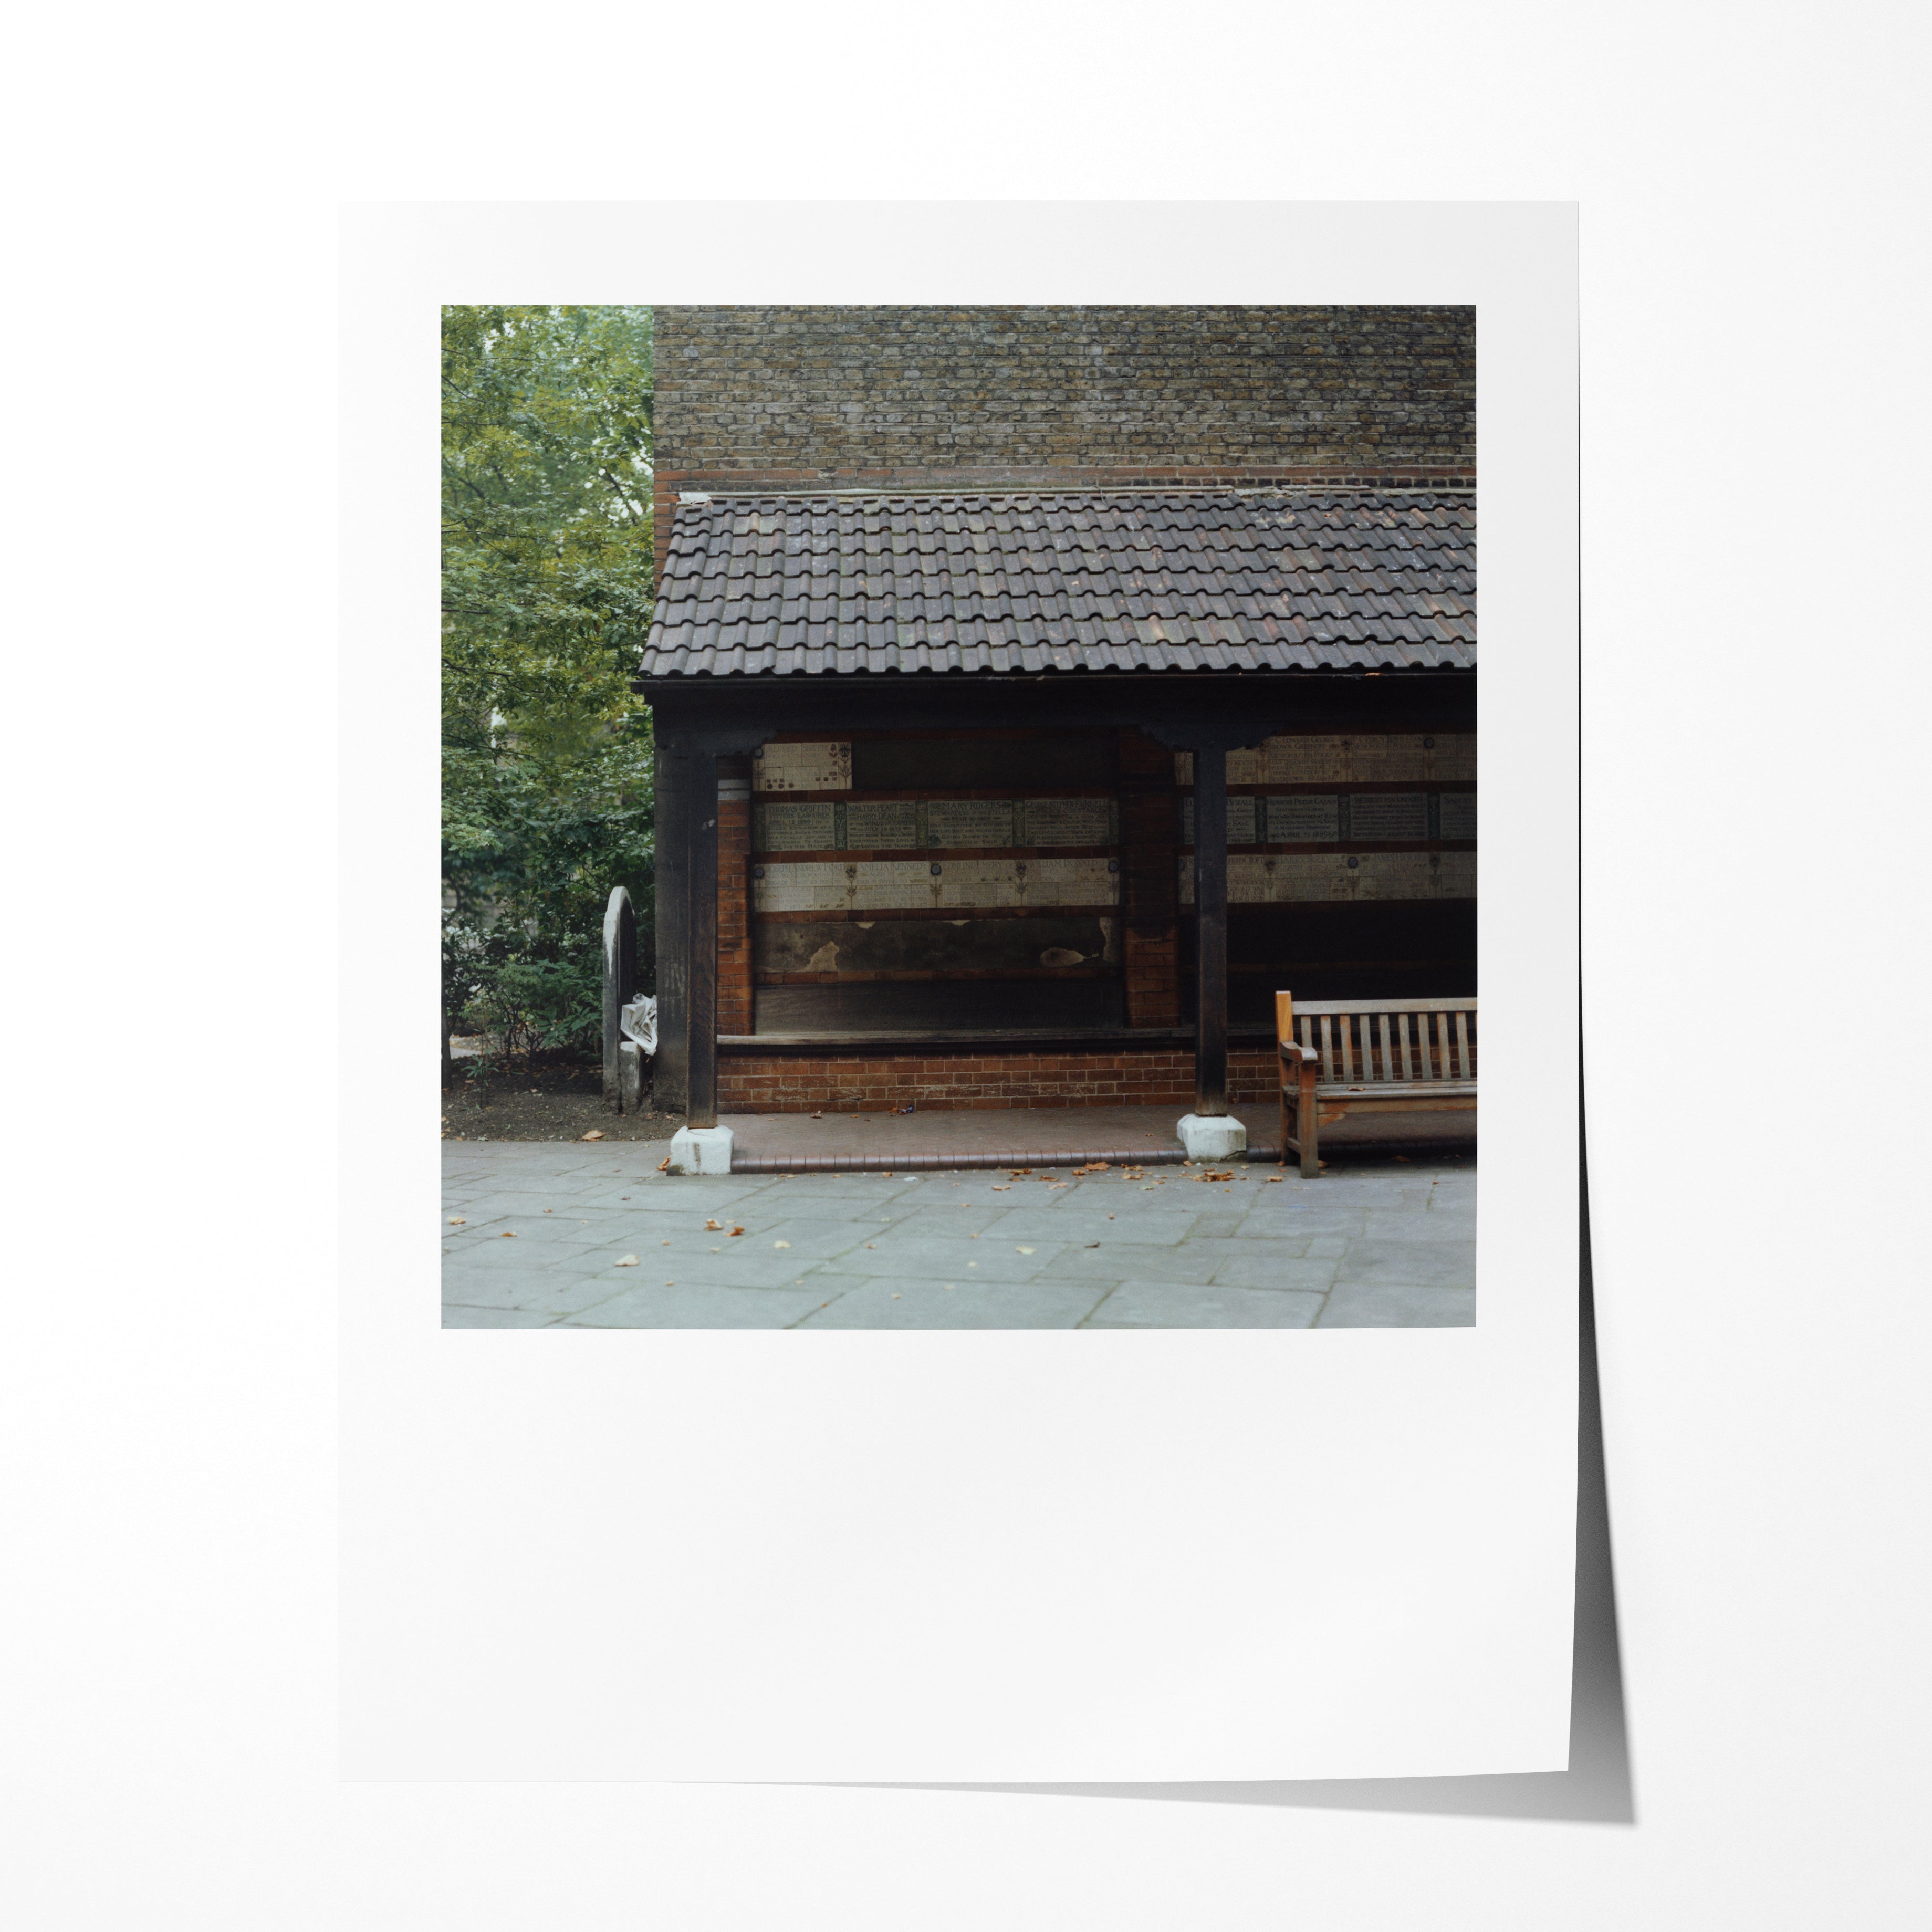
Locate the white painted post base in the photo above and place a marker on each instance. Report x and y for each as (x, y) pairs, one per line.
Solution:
(1212, 1136)
(701, 1150)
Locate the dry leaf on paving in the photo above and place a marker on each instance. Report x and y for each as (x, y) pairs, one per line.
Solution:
(663, 1164)
(781, 1244)
(456, 1221)
(712, 1227)
(628, 1261)
(594, 1134)
(509, 1233)
(737, 1231)
(1022, 1251)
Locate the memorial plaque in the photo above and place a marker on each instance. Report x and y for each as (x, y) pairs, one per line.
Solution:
(1244, 820)
(1285, 878)
(1313, 817)
(881, 825)
(955, 822)
(1378, 815)
(1458, 815)
(1396, 875)
(795, 828)
(1453, 756)
(1066, 821)
(1372, 758)
(809, 767)
(1301, 758)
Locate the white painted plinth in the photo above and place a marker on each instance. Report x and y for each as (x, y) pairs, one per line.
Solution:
(1212, 1136)
(701, 1150)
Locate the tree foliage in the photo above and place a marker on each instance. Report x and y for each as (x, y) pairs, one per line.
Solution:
(546, 602)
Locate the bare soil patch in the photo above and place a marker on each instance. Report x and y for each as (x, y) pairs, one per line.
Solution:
(551, 1098)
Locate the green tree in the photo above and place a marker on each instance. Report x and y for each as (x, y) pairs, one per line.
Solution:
(547, 755)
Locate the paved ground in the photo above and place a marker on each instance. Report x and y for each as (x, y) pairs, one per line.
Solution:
(1021, 1133)
(537, 1235)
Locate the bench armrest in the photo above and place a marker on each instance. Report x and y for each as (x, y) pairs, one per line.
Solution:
(1295, 1048)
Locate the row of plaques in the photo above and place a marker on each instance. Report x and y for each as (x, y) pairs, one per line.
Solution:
(1343, 818)
(918, 825)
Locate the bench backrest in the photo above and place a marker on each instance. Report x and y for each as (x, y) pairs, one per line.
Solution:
(1384, 1040)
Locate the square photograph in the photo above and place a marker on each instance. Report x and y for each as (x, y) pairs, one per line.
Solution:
(959, 817)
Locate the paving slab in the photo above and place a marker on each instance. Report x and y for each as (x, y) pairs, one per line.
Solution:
(987, 1259)
(697, 1305)
(1450, 1264)
(1399, 1305)
(455, 1316)
(1150, 1304)
(914, 1301)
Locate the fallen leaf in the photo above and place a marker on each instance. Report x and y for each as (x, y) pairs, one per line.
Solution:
(1092, 1244)
(713, 1227)
(781, 1244)
(818, 1116)
(1003, 1187)
(457, 1221)
(871, 1244)
(594, 1134)
(895, 1293)
(663, 1164)
(628, 1261)
(737, 1231)
(509, 1233)
(1022, 1251)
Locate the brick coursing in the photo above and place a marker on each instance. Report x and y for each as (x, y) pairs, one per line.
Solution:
(859, 387)
(854, 1084)
(934, 399)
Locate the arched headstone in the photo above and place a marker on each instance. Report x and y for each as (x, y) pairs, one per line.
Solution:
(620, 985)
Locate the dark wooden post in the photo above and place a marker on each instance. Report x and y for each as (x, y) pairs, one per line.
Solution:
(669, 1081)
(701, 922)
(1210, 930)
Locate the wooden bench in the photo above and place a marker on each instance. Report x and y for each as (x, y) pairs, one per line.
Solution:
(1361, 1072)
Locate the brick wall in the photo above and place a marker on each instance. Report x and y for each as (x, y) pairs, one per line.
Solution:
(925, 398)
(857, 1084)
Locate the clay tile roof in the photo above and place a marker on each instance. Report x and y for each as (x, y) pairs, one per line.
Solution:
(787, 586)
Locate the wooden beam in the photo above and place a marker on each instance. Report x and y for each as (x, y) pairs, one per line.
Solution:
(1210, 930)
(671, 1091)
(701, 915)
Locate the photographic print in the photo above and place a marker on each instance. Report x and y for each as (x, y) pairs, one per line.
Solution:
(959, 817)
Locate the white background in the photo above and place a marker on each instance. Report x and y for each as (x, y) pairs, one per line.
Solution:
(1215, 1554)
(1753, 432)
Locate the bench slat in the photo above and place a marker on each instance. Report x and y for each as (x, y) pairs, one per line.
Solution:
(1466, 1003)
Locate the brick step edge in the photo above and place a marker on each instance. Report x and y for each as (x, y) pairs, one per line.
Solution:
(925, 1163)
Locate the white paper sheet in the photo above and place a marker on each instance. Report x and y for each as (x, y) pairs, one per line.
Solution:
(961, 1557)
